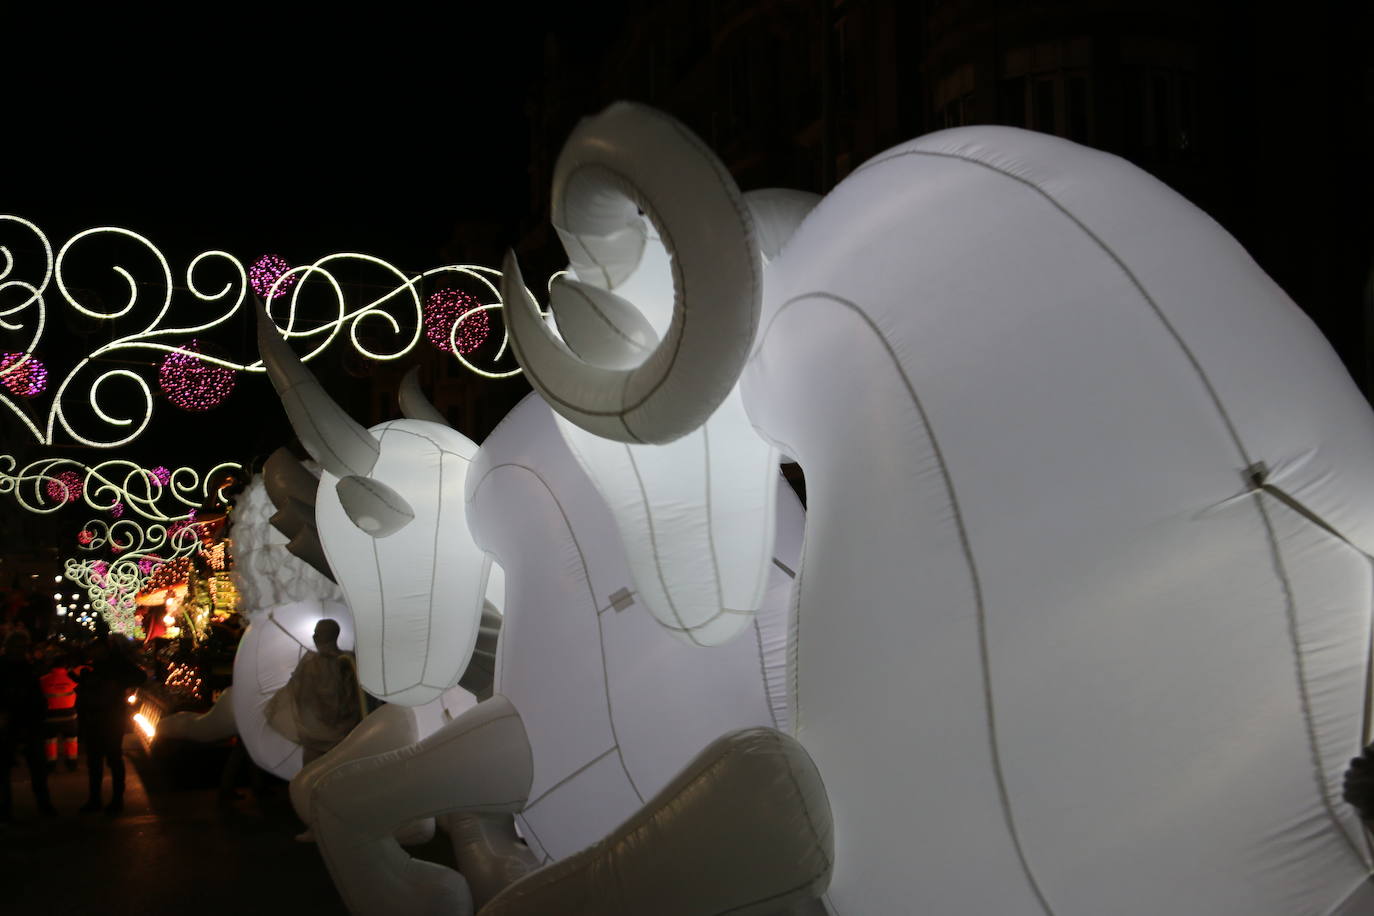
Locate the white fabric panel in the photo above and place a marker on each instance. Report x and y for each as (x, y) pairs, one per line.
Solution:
(1042, 664)
(613, 704)
(435, 714)
(666, 711)
(706, 497)
(592, 803)
(266, 656)
(527, 505)
(416, 594)
(265, 573)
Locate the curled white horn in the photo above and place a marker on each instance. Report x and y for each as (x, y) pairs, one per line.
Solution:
(414, 404)
(627, 159)
(333, 438)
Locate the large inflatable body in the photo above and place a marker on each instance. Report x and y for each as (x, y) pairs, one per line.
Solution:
(1083, 619)
(596, 706)
(613, 704)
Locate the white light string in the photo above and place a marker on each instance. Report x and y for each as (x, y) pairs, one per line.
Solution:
(26, 317)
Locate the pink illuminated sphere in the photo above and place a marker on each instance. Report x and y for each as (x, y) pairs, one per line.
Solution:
(65, 487)
(26, 379)
(265, 271)
(193, 384)
(443, 309)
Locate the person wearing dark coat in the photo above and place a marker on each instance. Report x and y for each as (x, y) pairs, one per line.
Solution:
(102, 715)
(22, 713)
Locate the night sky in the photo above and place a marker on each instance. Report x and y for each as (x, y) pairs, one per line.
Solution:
(383, 134)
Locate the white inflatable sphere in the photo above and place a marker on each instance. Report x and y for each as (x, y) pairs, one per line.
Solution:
(267, 655)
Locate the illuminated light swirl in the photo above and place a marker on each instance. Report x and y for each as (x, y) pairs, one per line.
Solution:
(112, 587)
(396, 314)
(157, 497)
(112, 590)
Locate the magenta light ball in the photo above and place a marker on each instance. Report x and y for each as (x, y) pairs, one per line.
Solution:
(27, 379)
(65, 487)
(265, 271)
(442, 309)
(193, 384)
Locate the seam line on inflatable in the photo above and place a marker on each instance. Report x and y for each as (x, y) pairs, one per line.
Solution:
(972, 567)
(653, 545)
(586, 577)
(571, 776)
(1300, 667)
(763, 674)
(381, 601)
(711, 522)
(1290, 605)
(596, 310)
(434, 567)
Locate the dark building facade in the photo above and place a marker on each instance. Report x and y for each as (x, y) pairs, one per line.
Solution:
(1263, 119)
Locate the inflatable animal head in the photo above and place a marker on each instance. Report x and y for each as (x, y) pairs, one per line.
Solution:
(390, 517)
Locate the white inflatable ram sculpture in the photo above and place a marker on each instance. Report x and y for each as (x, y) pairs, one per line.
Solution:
(1083, 618)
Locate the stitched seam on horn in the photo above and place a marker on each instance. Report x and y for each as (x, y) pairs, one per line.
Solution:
(382, 496)
(591, 593)
(680, 288)
(363, 437)
(975, 581)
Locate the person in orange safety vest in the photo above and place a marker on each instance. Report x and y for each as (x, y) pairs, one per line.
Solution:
(59, 688)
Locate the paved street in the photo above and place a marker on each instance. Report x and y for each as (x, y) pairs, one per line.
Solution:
(173, 851)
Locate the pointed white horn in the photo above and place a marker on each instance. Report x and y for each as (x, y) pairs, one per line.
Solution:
(599, 326)
(414, 404)
(627, 159)
(333, 438)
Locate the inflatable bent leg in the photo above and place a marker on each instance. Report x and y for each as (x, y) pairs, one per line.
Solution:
(480, 762)
(214, 725)
(745, 829)
(388, 728)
